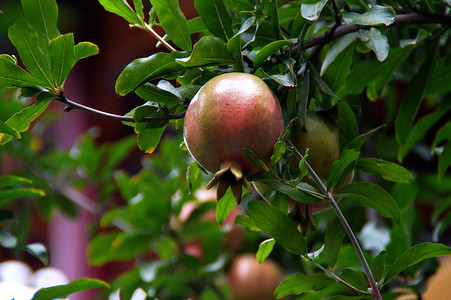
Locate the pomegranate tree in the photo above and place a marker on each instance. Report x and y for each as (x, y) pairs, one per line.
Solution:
(231, 112)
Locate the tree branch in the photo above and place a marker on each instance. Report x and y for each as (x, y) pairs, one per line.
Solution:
(400, 20)
(74, 105)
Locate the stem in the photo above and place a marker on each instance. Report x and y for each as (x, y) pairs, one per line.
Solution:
(74, 105)
(333, 275)
(374, 289)
(341, 217)
(158, 37)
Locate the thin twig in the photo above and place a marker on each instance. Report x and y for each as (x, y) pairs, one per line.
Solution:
(336, 277)
(74, 105)
(374, 289)
(148, 28)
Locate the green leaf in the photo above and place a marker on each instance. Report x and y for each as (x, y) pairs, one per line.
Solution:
(340, 165)
(376, 41)
(11, 180)
(255, 159)
(277, 152)
(28, 44)
(39, 251)
(443, 134)
(21, 120)
(216, 17)
(376, 15)
(122, 9)
(299, 283)
(265, 249)
(245, 221)
(63, 291)
(387, 170)
(16, 193)
(173, 22)
(370, 195)
(153, 93)
(272, 221)
(412, 97)
(5, 128)
(11, 75)
(62, 57)
(357, 142)
(336, 48)
(192, 174)
(332, 242)
(422, 126)
(414, 255)
(144, 69)
(150, 137)
(294, 193)
(441, 74)
(270, 8)
(378, 266)
(338, 71)
(355, 278)
(444, 161)
(367, 71)
(311, 11)
(269, 50)
(85, 49)
(43, 16)
(139, 8)
(348, 128)
(208, 50)
(224, 206)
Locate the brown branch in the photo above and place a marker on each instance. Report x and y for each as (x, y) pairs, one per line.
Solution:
(400, 20)
(74, 105)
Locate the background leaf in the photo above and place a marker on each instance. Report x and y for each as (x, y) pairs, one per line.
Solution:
(62, 291)
(376, 15)
(371, 195)
(299, 283)
(387, 170)
(415, 255)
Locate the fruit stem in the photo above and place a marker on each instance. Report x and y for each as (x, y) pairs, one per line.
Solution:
(374, 289)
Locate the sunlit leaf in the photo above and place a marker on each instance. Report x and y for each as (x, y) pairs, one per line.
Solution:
(121, 8)
(150, 137)
(208, 50)
(43, 16)
(265, 249)
(62, 291)
(216, 17)
(174, 22)
(155, 94)
(62, 57)
(374, 16)
(6, 129)
(29, 45)
(85, 49)
(311, 11)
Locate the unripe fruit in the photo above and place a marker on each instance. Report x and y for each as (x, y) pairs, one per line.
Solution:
(232, 112)
(321, 138)
(250, 280)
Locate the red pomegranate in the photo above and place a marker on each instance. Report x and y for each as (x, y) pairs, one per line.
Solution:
(231, 112)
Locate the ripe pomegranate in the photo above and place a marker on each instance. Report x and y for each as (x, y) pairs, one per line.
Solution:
(321, 138)
(231, 112)
(250, 280)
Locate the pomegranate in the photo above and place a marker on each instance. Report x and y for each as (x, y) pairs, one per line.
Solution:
(231, 112)
(321, 138)
(251, 280)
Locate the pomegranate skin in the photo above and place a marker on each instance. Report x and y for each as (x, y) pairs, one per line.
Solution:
(231, 112)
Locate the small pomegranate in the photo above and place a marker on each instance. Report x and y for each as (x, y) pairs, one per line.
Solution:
(231, 112)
